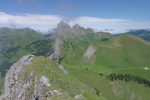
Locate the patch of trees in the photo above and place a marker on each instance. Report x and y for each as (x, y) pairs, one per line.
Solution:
(8, 59)
(40, 47)
(127, 78)
(4, 66)
(1, 84)
(8, 56)
(11, 52)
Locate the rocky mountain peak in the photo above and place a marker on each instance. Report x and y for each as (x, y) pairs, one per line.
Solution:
(78, 29)
(62, 30)
(77, 26)
(62, 24)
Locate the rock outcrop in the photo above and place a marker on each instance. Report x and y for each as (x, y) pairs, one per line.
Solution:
(62, 68)
(12, 77)
(57, 49)
(79, 97)
(64, 31)
(91, 50)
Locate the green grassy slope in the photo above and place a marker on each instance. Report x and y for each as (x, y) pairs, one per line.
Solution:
(125, 54)
(67, 84)
(13, 37)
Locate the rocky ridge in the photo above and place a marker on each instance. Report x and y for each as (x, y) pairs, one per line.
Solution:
(28, 87)
(12, 85)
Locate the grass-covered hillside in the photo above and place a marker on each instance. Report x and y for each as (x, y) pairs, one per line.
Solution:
(127, 56)
(122, 54)
(11, 37)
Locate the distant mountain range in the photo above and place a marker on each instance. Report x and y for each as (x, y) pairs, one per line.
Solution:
(145, 34)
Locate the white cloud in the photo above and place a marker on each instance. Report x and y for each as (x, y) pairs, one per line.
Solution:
(29, 20)
(46, 22)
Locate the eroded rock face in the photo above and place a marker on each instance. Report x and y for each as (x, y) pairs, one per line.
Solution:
(45, 81)
(91, 50)
(12, 76)
(41, 89)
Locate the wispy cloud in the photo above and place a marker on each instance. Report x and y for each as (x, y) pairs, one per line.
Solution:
(85, 20)
(110, 25)
(46, 22)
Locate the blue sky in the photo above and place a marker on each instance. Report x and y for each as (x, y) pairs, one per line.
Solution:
(118, 15)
